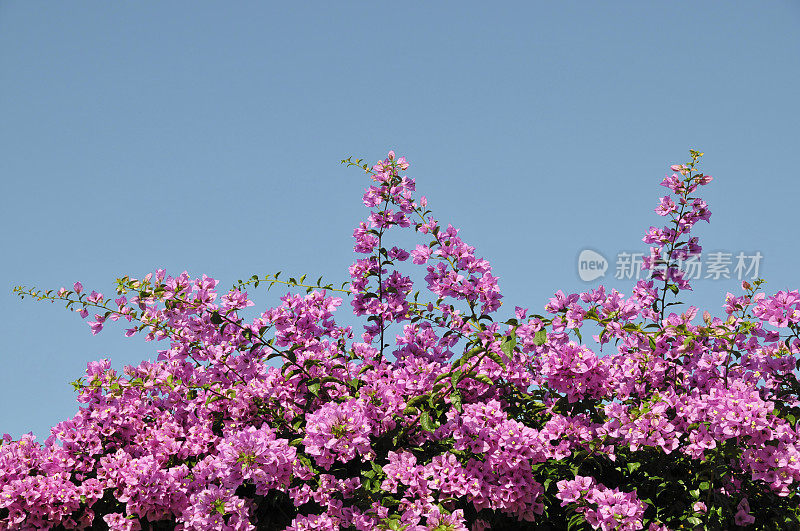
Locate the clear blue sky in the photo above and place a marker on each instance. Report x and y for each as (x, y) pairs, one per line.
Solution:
(206, 136)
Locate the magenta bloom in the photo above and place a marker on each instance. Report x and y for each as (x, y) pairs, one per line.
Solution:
(436, 412)
(338, 432)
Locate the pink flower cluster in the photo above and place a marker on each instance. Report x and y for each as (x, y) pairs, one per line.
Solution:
(604, 508)
(338, 431)
(442, 415)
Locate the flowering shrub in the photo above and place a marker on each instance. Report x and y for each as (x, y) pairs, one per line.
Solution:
(440, 415)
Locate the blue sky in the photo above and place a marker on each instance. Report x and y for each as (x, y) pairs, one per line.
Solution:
(206, 136)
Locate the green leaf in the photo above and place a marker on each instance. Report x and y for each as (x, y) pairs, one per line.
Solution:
(417, 400)
(426, 422)
(508, 346)
(212, 398)
(442, 377)
(576, 520)
(673, 288)
(455, 398)
(540, 338)
(436, 388)
(481, 378)
(409, 410)
(473, 352)
(496, 358)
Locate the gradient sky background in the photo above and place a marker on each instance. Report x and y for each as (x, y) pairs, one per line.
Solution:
(206, 136)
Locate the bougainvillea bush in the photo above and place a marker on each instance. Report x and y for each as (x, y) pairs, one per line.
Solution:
(440, 414)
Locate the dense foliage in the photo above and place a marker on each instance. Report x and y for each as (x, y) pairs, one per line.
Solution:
(440, 415)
